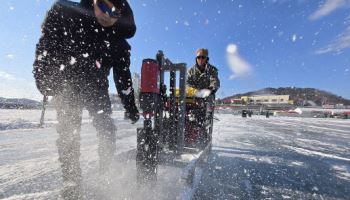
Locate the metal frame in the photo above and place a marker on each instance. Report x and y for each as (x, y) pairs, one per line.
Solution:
(152, 140)
(167, 66)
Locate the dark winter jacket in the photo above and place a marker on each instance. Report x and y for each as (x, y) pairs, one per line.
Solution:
(208, 79)
(74, 49)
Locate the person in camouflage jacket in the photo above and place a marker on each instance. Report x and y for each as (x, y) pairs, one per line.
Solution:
(203, 75)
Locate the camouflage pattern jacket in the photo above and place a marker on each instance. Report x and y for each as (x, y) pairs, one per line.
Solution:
(208, 79)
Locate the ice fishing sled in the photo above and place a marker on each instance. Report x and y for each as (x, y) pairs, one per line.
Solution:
(178, 125)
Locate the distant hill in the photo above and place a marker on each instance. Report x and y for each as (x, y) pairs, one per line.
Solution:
(19, 104)
(15, 103)
(300, 96)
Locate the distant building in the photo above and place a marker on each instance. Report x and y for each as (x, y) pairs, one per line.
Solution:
(232, 101)
(267, 99)
(259, 100)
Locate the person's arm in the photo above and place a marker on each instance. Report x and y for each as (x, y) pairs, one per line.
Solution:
(214, 80)
(125, 25)
(190, 78)
(46, 51)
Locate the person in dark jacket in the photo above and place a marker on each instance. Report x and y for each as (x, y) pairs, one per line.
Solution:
(80, 44)
(203, 75)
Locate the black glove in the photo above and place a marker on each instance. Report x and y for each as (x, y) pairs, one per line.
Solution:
(134, 115)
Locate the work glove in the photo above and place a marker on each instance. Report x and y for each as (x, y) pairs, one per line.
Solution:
(203, 93)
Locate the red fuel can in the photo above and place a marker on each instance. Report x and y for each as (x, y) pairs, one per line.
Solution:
(150, 76)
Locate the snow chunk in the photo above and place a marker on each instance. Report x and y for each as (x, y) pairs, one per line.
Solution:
(231, 48)
(107, 43)
(85, 55)
(62, 66)
(98, 64)
(127, 92)
(240, 67)
(10, 56)
(100, 112)
(72, 60)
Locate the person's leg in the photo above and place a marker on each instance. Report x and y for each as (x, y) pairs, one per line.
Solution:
(69, 116)
(97, 101)
(200, 116)
(106, 132)
(123, 80)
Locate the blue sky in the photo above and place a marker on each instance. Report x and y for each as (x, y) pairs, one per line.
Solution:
(254, 44)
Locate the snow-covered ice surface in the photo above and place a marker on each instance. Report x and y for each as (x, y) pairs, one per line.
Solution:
(278, 158)
(29, 167)
(252, 158)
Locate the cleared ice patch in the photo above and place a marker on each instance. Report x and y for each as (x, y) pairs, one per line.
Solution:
(310, 153)
(286, 197)
(342, 171)
(297, 163)
(320, 145)
(265, 160)
(218, 167)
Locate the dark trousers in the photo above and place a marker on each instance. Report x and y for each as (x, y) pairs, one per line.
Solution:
(69, 105)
